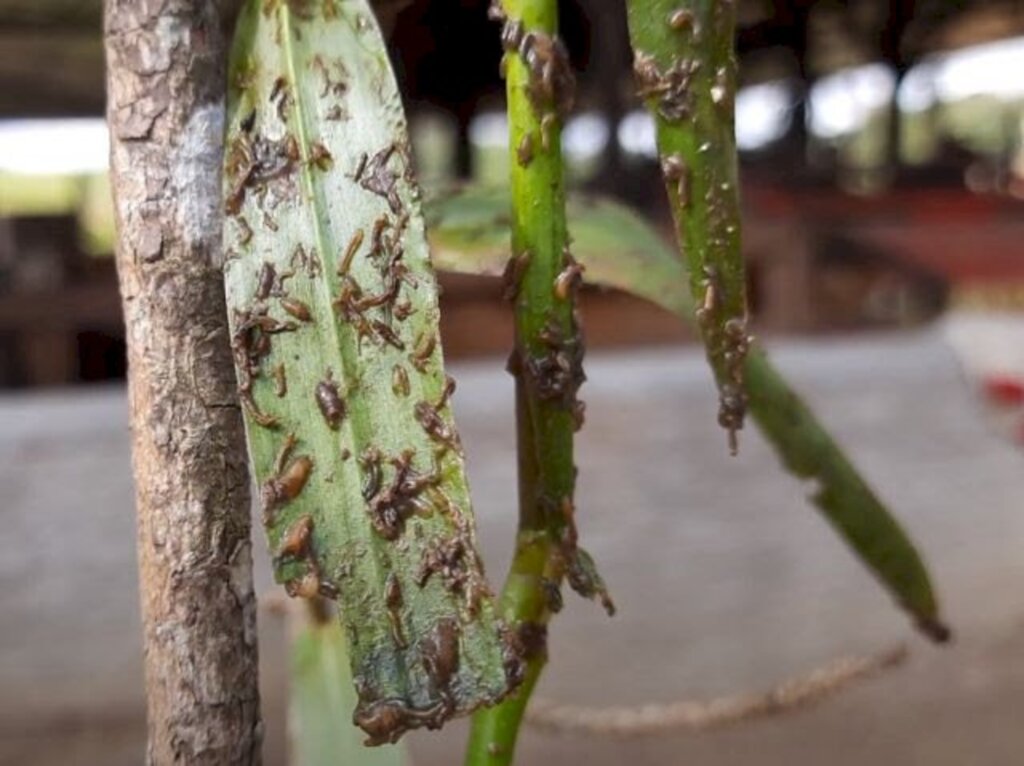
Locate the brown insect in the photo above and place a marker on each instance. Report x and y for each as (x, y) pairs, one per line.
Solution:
(393, 601)
(380, 179)
(266, 281)
(399, 380)
(429, 417)
(422, 351)
(513, 275)
(524, 152)
(568, 280)
(675, 171)
(306, 586)
(547, 127)
(350, 252)
(402, 310)
(297, 309)
(387, 334)
(244, 230)
(331, 405)
(320, 156)
(680, 19)
(295, 543)
(280, 380)
(360, 166)
(288, 480)
(370, 462)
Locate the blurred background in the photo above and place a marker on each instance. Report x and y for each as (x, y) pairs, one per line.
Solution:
(882, 160)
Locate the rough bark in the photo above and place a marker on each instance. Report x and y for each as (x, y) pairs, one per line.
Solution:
(166, 87)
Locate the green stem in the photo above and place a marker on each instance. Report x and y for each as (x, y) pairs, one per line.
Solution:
(545, 362)
(685, 68)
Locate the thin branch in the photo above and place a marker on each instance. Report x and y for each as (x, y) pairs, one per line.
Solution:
(698, 716)
(547, 360)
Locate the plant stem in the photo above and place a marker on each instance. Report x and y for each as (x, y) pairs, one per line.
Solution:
(685, 68)
(188, 452)
(546, 361)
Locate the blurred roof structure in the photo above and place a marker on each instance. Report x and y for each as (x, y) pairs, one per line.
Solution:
(51, 57)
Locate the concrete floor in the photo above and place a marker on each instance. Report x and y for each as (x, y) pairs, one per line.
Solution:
(725, 578)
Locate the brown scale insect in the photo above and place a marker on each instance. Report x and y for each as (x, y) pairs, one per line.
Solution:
(709, 305)
(381, 180)
(307, 586)
(675, 171)
(332, 83)
(305, 259)
(250, 343)
(288, 480)
(429, 417)
(547, 127)
(391, 505)
(558, 373)
(524, 152)
(551, 78)
(244, 230)
(331, 405)
(279, 94)
(387, 334)
(360, 167)
(393, 602)
(402, 310)
(295, 543)
(280, 380)
(350, 252)
(681, 19)
(253, 162)
(422, 351)
(320, 156)
(552, 595)
(732, 406)
(512, 277)
(370, 461)
(266, 281)
(297, 309)
(399, 381)
(262, 418)
(671, 88)
(453, 562)
(568, 280)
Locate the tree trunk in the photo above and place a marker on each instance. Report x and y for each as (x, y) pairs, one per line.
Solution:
(166, 87)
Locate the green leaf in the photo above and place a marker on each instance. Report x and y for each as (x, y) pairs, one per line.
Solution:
(618, 249)
(321, 695)
(334, 320)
